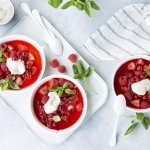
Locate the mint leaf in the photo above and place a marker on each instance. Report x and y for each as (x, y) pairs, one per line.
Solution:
(65, 85)
(140, 116)
(60, 92)
(2, 81)
(69, 91)
(75, 69)
(1, 52)
(131, 128)
(94, 5)
(145, 124)
(56, 118)
(55, 3)
(14, 86)
(2, 60)
(87, 7)
(79, 5)
(4, 86)
(67, 4)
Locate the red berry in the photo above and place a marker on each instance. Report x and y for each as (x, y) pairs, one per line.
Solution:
(62, 69)
(19, 81)
(140, 62)
(72, 58)
(54, 63)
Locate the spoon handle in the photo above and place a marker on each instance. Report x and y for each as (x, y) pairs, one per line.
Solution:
(112, 141)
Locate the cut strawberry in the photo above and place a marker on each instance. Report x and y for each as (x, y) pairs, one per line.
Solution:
(22, 47)
(29, 64)
(44, 99)
(140, 62)
(72, 58)
(128, 95)
(79, 107)
(10, 47)
(131, 66)
(19, 81)
(61, 81)
(44, 90)
(31, 57)
(6, 55)
(136, 103)
(145, 104)
(123, 80)
(54, 63)
(53, 83)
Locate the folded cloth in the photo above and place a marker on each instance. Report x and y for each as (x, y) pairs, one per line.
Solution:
(125, 34)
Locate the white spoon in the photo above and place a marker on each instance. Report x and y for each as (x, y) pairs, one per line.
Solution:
(54, 43)
(119, 108)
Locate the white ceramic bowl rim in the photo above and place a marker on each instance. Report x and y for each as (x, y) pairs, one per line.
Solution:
(120, 64)
(36, 45)
(78, 122)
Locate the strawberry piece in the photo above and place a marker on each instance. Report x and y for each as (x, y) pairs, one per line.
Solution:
(33, 70)
(44, 90)
(123, 80)
(140, 62)
(145, 104)
(54, 63)
(136, 103)
(4, 67)
(44, 99)
(22, 48)
(29, 64)
(61, 81)
(70, 84)
(131, 66)
(146, 67)
(53, 83)
(10, 47)
(138, 73)
(6, 55)
(31, 57)
(19, 81)
(72, 58)
(79, 107)
(139, 68)
(62, 69)
(128, 95)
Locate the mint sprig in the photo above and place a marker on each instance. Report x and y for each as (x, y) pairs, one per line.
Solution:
(82, 73)
(140, 119)
(8, 83)
(61, 89)
(86, 5)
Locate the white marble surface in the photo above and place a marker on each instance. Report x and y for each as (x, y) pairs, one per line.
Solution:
(76, 27)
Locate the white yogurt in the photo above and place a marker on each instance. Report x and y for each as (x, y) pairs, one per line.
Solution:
(15, 67)
(6, 11)
(141, 87)
(53, 103)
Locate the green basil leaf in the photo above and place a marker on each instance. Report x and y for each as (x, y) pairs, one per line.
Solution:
(69, 91)
(1, 52)
(67, 4)
(75, 69)
(94, 5)
(56, 118)
(145, 124)
(2, 59)
(88, 8)
(79, 5)
(65, 85)
(14, 86)
(4, 86)
(140, 116)
(55, 3)
(60, 92)
(89, 71)
(83, 1)
(131, 128)
(55, 89)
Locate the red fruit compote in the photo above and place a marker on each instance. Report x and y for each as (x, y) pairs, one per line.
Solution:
(69, 109)
(28, 54)
(131, 72)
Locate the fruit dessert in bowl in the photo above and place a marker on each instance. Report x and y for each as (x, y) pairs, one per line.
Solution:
(22, 62)
(132, 79)
(59, 104)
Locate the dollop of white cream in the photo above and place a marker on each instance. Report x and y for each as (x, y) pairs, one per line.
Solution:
(15, 67)
(141, 87)
(6, 11)
(53, 103)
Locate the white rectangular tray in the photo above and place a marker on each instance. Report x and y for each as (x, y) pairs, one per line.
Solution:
(20, 102)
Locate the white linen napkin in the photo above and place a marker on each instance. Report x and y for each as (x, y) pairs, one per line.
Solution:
(125, 34)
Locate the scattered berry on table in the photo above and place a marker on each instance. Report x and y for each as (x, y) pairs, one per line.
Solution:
(72, 58)
(54, 63)
(62, 68)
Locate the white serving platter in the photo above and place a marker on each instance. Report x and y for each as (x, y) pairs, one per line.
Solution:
(20, 102)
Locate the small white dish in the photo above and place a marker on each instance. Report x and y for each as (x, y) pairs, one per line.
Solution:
(146, 57)
(7, 9)
(36, 45)
(77, 123)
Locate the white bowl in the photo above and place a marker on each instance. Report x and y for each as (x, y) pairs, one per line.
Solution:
(124, 61)
(36, 45)
(77, 123)
(10, 9)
